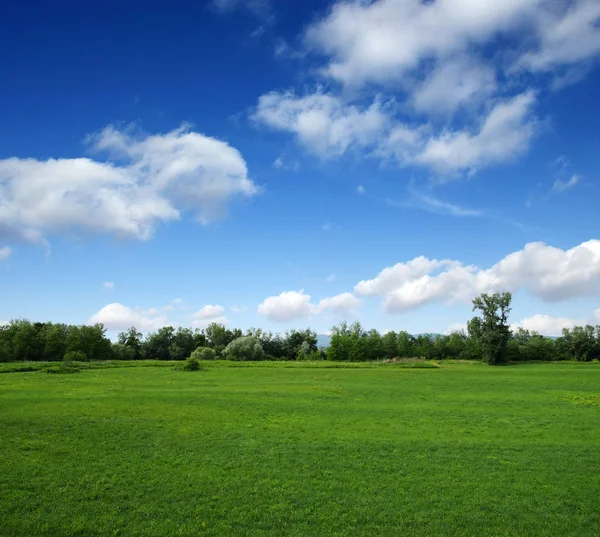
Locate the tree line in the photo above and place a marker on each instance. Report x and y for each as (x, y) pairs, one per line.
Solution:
(488, 337)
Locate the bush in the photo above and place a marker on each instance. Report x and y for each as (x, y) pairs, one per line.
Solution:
(244, 348)
(204, 353)
(75, 356)
(191, 364)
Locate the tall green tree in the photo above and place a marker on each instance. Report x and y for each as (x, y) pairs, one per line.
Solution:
(491, 330)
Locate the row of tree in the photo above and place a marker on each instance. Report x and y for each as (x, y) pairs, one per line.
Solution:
(488, 337)
(22, 340)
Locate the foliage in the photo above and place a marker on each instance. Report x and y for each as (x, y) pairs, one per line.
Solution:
(75, 356)
(244, 348)
(204, 353)
(25, 341)
(191, 364)
(491, 332)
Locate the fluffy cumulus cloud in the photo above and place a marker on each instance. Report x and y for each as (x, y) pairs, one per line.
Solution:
(546, 272)
(209, 314)
(387, 40)
(449, 85)
(295, 305)
(546, 325)
(5, 253)
(287, 306)
(149, 179)
(504, 133)
(116, 316)
(322, 123)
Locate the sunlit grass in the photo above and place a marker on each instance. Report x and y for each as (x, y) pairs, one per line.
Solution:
(301, 449)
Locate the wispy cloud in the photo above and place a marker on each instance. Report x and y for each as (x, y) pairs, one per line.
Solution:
(561, 186)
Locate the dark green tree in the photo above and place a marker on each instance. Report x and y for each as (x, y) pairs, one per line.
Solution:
(492, 331)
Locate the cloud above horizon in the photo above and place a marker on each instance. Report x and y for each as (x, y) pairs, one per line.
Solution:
(149, 179)
(449, 85)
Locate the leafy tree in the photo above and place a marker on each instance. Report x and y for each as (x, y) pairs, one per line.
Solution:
(182, 344)
(156, 346)
(75, 356)
(132, 338)
(204, 353)
(244, 348)
(304, 351)
(492, 330)
(121, 351)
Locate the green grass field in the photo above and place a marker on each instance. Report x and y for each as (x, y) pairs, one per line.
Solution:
(263, 449)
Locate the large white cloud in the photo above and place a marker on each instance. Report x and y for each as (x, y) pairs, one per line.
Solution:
(504, 134)
(446, 84)
(294, 305)
(116, 316)
(329, 127)
(149, 179)
(287, 306)
(388, 40)
(549, 273)
(567, 34)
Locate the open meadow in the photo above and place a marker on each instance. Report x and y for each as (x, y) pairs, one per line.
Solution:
(302, 449)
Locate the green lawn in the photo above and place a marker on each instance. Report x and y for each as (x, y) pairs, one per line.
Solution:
(264, 449)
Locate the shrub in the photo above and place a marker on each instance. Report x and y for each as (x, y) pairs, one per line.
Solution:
(191, 364)
(244, 348)
(75, 356)
(204, 353)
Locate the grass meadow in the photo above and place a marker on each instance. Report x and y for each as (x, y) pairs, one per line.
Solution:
(303, 449)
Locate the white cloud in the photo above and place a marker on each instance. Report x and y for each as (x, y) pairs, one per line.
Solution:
(561, 186)
(209, 312)
(116, 316)
(323, 123)
(569, 33)
(360, 189)
(108, 285)
(151, 179)
(292, 305)
(459, 82)
(329, 127)
(343, 304)
(387, 41)
(546, 325)
(549, 273)
(407, 68)
(505, 133)
(287, 306)
(5, 253)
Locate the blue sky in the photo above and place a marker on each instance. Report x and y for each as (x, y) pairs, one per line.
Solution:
(278, 164)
